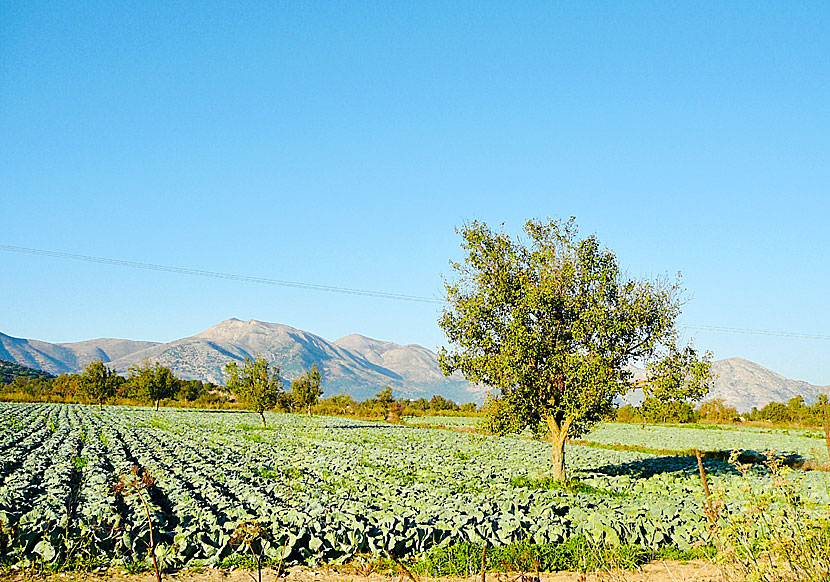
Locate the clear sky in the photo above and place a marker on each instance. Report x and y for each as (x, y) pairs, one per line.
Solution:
(341, 143)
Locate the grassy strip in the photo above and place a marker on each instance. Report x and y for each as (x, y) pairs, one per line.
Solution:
(575, 554)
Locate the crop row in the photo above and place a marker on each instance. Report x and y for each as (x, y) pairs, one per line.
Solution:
(325, 488)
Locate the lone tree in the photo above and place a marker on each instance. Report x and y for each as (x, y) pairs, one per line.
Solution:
(307, 389)
(99, 382)
(257, 384)
(555, 326)
(153, 383)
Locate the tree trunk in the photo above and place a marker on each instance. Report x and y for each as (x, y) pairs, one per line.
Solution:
(262, 416)
(557, 457)
(157, 405)
(559, 434)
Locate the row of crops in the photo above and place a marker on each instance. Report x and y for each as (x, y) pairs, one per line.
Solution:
(325, 488)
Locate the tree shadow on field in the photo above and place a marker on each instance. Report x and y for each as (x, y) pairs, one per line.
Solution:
(645, 468)
(715, 463)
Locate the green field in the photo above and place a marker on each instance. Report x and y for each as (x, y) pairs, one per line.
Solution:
(330, 488)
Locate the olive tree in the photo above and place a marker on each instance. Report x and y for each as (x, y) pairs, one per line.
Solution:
(307, 389)
(99, 382)
(153, 383)
(257, 383)
(553, 324)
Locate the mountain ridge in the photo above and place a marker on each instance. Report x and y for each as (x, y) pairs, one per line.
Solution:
(355, 364)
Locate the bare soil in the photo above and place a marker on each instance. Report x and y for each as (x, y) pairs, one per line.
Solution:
(658, 571)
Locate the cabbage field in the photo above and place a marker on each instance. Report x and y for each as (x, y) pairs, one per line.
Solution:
(329, 488)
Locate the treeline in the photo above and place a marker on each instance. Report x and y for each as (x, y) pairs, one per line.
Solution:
(156, 385)
(384, 405)
(97, 384)
(794, 413)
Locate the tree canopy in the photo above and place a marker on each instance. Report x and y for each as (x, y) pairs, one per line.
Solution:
(307, 389)
(555, 326)
(153, 383)
(99, 382)
(257, 383)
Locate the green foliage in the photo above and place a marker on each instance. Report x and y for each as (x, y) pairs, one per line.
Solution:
(11, 370)
(257, 383)
(306, 389)
(463, 559)
(99, 382)
(775, 534)
(441, 404)
(153, 383)
(346, 487)
(716, 410)
(571, 485)
(554, 325)
(656, 410)
(133, 567)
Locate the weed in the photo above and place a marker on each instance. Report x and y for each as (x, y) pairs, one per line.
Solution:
(577, 553)
(137, 483)
(237, 562)
(251, 534)
(776, 535)
(132, 566)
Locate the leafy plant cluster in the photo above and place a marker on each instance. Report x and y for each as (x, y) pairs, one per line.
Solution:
(322, 489)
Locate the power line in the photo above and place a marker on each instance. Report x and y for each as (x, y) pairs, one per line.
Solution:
(757, 332)
(217, 275)
(335, 289)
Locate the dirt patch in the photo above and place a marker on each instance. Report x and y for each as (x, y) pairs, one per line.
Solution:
(658, 571)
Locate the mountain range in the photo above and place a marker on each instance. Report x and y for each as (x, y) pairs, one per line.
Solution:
(354, 364)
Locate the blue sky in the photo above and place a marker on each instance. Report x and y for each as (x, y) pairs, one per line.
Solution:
(341, 144)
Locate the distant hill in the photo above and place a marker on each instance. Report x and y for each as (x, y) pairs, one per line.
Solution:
(68, 357)
(353, 364)
(743, 384)
(356, 365)
(10, 370)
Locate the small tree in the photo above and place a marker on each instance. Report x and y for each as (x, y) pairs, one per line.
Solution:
(153, 383)
(66, 386)
(99, 382)
(256, 383)
(307, 389)
(555, 326)
(717, 411)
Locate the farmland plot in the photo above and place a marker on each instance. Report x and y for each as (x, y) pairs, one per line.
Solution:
(326, 488)
(808, 444)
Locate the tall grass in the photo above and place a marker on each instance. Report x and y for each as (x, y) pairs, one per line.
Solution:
(775, 535)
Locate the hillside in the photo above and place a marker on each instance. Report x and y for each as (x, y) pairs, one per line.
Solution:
(348, 365)
(10, 370)
(744, 384)
(65, 357)
(355, 364)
